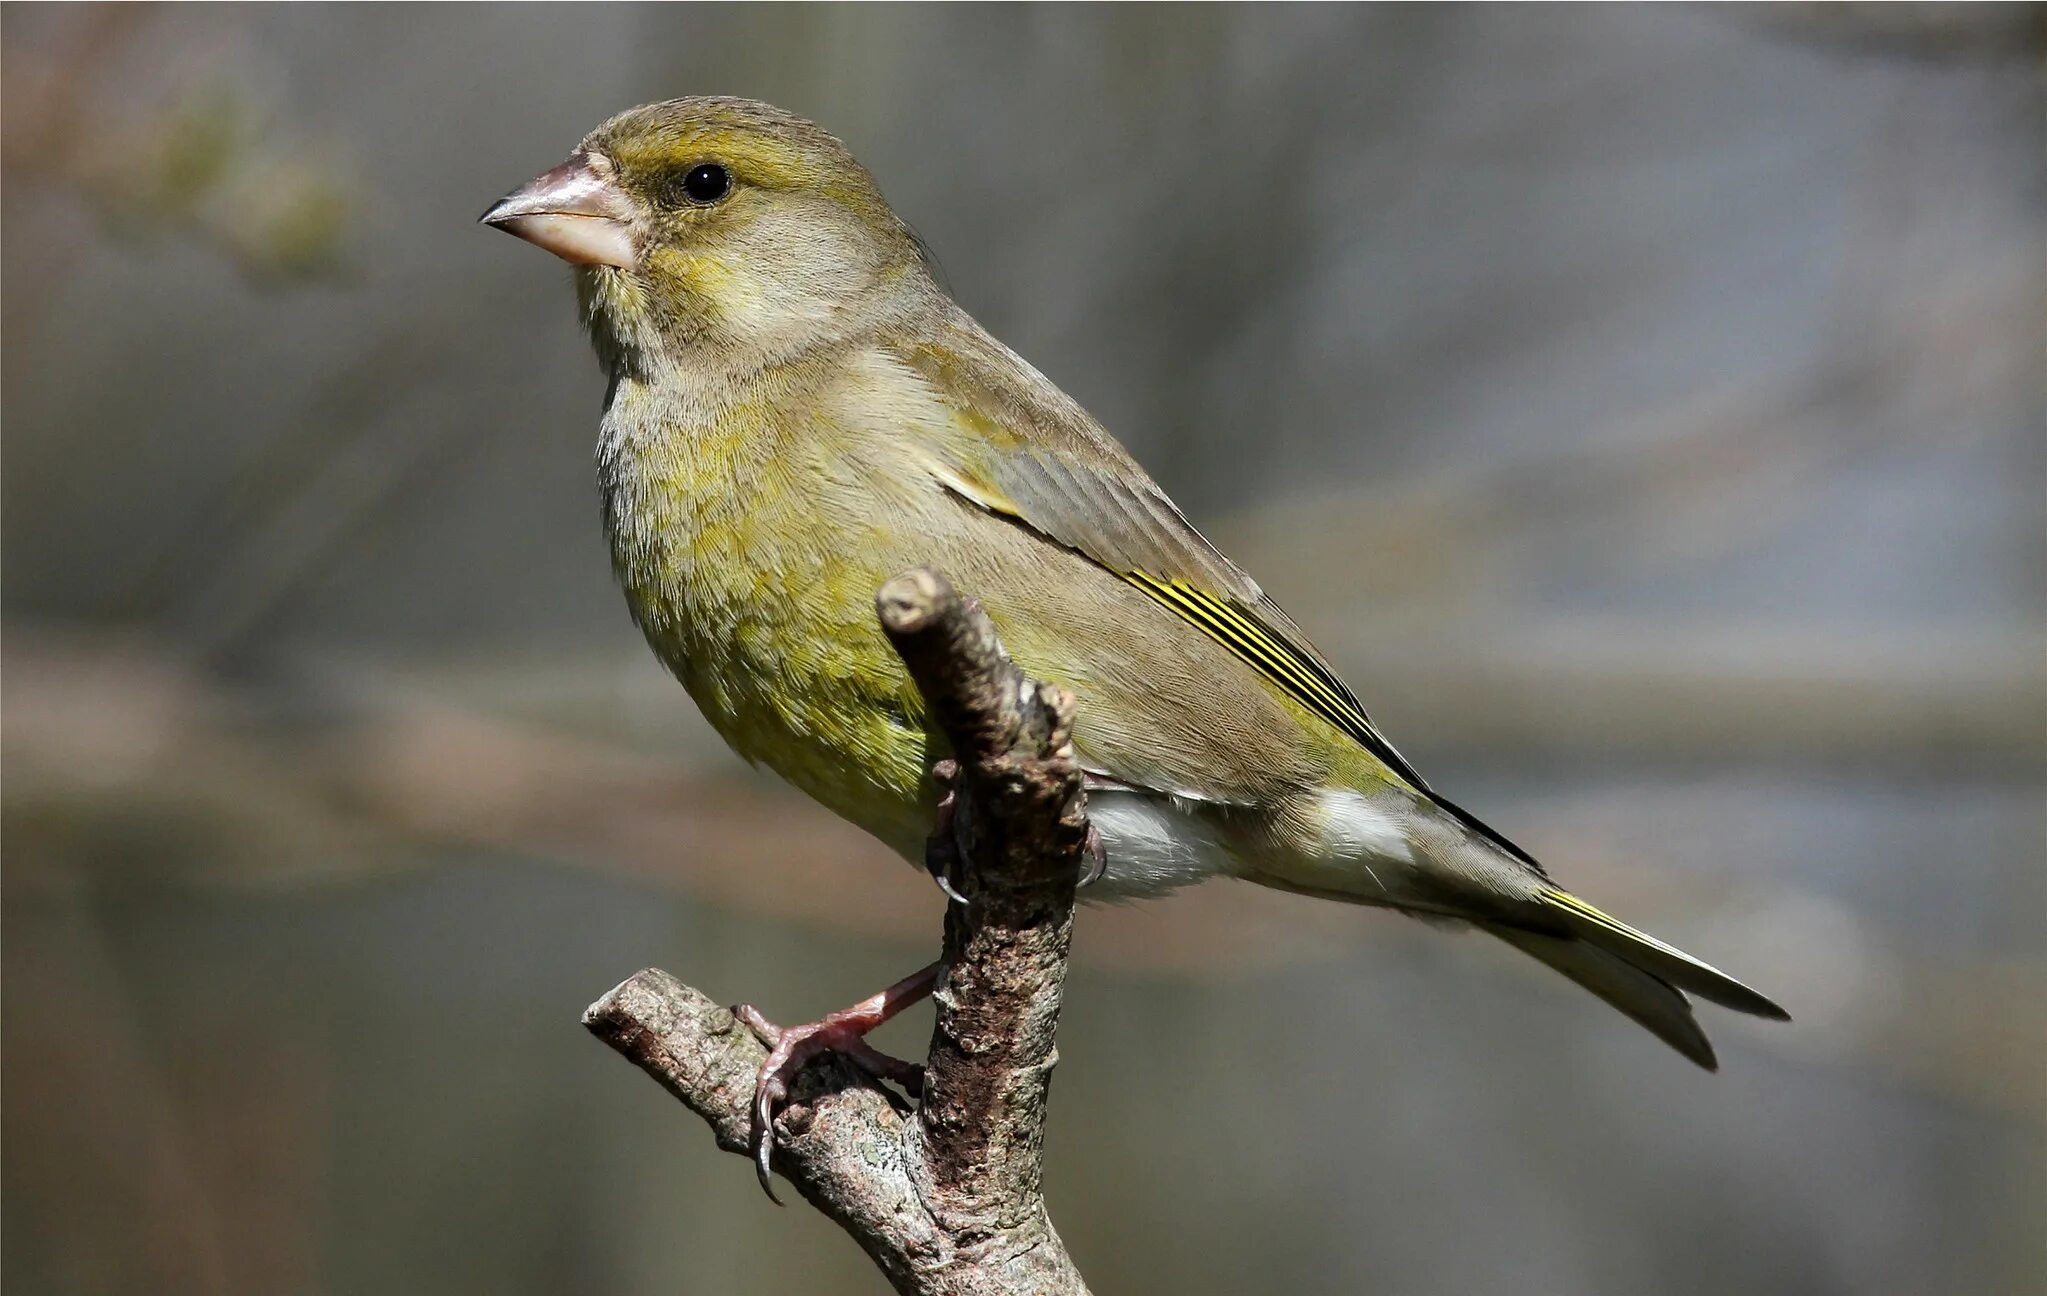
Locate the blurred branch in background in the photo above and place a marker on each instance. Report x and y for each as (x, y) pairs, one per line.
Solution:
(208, 165)
(1958, 30)
(238, 788)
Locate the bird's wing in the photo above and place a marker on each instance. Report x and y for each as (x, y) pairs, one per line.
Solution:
(1030, 454)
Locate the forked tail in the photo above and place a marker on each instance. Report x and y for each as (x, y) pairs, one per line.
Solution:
(1635, 972)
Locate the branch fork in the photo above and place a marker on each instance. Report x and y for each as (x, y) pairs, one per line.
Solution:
(945, 1198)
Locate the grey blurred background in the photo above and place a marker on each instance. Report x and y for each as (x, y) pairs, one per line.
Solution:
(1643, 405)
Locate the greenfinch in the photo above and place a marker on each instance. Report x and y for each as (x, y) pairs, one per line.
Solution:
(796, 411)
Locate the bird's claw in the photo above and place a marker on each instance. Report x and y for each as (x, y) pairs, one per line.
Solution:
(1097, 859)
(945, 884)
(792, 1048)
(765, 1095)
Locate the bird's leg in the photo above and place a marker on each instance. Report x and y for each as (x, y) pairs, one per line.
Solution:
(843, 1032)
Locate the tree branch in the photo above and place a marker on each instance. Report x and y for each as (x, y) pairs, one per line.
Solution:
(948, 1201)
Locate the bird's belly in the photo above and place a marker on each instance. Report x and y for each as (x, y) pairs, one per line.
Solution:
(783, 695)
(776, 640)
(1152, 845)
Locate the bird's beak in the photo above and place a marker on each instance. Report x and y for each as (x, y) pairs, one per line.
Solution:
(574, 211)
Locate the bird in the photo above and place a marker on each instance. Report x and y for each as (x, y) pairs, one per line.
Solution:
(796, 410)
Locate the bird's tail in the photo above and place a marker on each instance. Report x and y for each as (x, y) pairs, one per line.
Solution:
(1635, 972)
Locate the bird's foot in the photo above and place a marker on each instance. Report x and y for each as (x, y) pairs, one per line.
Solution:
(1097, 860)
(1097, 853)
(791, 1048)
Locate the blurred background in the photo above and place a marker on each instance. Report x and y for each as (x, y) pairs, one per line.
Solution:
(1643, 405)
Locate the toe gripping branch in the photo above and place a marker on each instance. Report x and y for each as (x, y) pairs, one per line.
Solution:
(843, 1032)
(1009, 847)
(945, 1198)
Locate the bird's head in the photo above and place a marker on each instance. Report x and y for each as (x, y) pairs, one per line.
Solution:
(715, 232)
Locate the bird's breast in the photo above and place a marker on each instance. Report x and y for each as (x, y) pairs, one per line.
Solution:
(749, 545)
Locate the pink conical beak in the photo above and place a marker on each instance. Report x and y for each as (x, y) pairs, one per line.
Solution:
(573, 211)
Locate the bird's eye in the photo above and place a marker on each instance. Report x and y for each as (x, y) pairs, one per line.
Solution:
(705, 183)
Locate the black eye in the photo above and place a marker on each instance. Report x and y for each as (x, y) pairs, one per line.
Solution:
(706, 183)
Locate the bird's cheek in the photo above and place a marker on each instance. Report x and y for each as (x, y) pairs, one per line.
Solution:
(700, 286)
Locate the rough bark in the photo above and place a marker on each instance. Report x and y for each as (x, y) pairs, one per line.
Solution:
(946, 1200)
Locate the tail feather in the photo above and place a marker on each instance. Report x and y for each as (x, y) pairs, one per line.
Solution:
(1642, 995)
(1666, 962)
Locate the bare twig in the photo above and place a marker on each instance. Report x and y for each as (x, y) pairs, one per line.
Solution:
(948, 1200)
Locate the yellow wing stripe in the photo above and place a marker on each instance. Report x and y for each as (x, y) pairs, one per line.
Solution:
(1246, 639)
(1311, 684)
(1302, 678)
(1565, 900)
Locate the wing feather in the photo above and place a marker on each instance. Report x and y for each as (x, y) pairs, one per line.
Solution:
(1065, 478)
(1028, 453)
